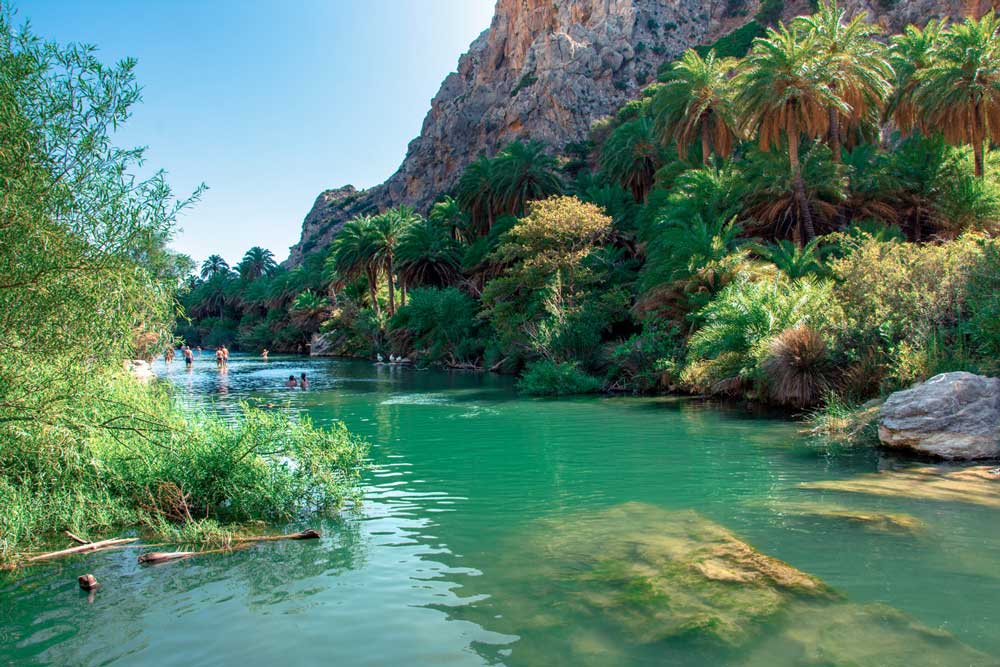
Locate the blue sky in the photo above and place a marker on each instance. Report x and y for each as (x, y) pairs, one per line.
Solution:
(269, 103)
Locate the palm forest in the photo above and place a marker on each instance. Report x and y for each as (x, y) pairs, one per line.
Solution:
(811, 224)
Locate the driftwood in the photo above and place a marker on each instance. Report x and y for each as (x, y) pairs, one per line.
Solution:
(307, 534)
(83, 548)
(78, 540)
(156, 557)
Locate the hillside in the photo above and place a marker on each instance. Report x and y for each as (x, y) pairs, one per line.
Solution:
(546, 69)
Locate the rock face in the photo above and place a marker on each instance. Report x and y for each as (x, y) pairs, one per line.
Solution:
(545, 70)
(952, 416)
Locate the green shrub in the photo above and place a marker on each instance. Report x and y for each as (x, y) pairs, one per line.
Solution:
(648, 361)
(442, 326)
(738, 325)
(124, 454)
(549, 378)
(983, 302)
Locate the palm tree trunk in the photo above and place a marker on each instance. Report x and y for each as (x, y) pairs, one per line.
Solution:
(371, 291)
(792, 132)
(977, 151)
(392, 287)
(706, 142)
(977, 143)
(402, 292)
(835, 134)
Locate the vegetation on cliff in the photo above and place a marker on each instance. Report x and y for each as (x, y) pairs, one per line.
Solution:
(810, 223)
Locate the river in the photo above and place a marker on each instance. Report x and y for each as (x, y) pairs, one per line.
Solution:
(487, 515)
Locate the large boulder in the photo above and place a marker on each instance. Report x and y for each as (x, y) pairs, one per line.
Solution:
(951, 416)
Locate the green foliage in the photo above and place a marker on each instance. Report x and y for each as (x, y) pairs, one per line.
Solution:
(528, 79)
(442, 326)
(726, 351)
(795, 261)
(927, 306)
(548, 378)
(86, 284)
(631, 156)
(647, 361)
(736, 43)
(428, 255)
(132, 459)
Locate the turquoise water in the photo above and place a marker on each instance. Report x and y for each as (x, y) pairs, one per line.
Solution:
(484, 516)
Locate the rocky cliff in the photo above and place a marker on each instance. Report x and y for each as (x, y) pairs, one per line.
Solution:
(546, 69)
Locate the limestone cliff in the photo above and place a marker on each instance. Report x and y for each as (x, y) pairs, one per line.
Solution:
(546, 69)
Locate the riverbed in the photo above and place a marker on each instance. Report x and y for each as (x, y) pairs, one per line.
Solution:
(490, 523)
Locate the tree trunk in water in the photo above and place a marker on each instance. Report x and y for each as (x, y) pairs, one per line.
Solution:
(392, 288)
(706, 143)
(798, 185)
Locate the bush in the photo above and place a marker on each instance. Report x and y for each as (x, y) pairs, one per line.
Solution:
(442, 324)
(549, 378)
(726, 352)
(649, 361)
(797, 369)
(930, 308)
(126, 455)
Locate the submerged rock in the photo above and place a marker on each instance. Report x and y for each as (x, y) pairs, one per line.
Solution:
(979, 485)
(656, 574)
(951, 416)
(873, 520)
(860, 635)
(639, 584)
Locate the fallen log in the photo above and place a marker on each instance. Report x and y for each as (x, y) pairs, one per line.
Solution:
(157, 557)
(83, 548)
(78, 540)
(307, 534)
(154, 557)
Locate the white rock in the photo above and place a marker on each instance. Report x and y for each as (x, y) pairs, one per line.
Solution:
(952, 416)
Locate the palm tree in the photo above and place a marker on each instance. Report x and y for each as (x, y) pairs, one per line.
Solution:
(792, 260)
(631, 156)
(959, 93)
(213, 266)
(694, 103)
(776, 201)
(427, 255)
(854, 64)
(784, 94)
(475, 194)
(389, 228)
(911, 53)
(354, 253)
(308, 309)
(523, 172)
(448, 214)
(257, 262)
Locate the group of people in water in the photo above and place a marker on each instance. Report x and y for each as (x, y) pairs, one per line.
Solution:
(222, 361)
(188, 354)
